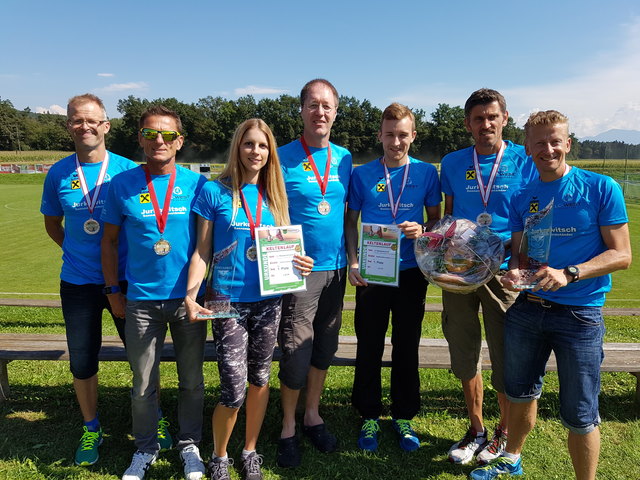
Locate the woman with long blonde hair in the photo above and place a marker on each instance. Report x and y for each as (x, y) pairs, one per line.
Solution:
(249, 193)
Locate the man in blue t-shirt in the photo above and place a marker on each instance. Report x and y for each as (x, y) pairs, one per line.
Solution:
(478, 183)
(563, 311)
(152, 204)
(392, 190)
(316, 174)
(74, 192)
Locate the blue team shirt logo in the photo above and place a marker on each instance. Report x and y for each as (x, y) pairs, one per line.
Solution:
(145, 197)
(534, 206)
(75, 184)
(306, 167)
(381, 187)
(470, 175)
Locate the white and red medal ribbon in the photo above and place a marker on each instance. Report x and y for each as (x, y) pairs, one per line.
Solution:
(247, 211)
(161, 216)
(485, 193)
(395, 204)
(91, 201)
(322, 182)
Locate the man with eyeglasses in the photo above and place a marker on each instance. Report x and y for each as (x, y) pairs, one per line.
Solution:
(152, 205)
(72, 200)
(316, 174)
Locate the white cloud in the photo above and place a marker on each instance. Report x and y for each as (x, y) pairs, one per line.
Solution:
(106, 75)
(122, 87)
(257, 90)
(57, 109)
(602, 94)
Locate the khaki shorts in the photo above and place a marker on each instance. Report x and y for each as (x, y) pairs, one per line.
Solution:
(461, 328)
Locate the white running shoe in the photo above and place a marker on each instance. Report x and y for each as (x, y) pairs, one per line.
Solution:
(140, 463)
(494, 448)
(462, 452)
(192, 462)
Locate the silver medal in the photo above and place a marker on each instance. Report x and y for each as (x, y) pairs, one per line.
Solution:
(252, 253)
(324, 207)
(162, 247)
(485, 219)
(91, 226)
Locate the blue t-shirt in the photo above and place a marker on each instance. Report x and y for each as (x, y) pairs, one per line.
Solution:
(583, 202)
(323, 234)
(458, 178)
(62, 197)
(368, 194)
(151, 276)
(215, 203)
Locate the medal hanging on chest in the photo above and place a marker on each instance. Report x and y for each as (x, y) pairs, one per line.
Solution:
(252, 251)
(92, 226)
(485, 218)
(393, 203)
(324, 207)
(161, 247)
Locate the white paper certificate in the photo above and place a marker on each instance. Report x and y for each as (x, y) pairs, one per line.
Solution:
(380, 253)
(276, 247)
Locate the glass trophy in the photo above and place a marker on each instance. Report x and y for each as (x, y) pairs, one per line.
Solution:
(535, 246)
(217, 296)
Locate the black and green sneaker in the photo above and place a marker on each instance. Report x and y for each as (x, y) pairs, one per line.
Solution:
(164, 437)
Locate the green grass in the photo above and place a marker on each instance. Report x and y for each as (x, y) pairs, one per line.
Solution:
(39, 424)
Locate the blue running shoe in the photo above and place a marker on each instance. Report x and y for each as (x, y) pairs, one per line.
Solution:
(499, 466)
(368, 438)
(409, 441)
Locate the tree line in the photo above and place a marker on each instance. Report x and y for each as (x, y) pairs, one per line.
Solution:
(209, 124)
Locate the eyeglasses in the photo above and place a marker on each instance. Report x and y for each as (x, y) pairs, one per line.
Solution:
(90, 123)
(314, 107)
(152, 134)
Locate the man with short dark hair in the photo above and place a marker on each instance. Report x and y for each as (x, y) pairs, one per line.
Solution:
(478, 183)
(563, 311)
(152, 205)
(74, 192)
(394, 189)
(316, 174)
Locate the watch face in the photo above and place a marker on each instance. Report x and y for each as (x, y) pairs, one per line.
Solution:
(572, 270)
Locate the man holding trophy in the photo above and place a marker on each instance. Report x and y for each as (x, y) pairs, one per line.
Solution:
(561, 310)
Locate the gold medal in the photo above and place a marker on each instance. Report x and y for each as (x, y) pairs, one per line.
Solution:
(162, 247)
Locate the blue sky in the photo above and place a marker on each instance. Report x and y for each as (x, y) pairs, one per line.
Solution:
(579, 57)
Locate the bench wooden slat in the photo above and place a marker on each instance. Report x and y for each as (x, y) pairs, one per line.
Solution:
(433, 353)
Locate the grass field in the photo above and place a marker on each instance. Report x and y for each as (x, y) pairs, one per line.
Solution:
(31, 262)
(39, 425)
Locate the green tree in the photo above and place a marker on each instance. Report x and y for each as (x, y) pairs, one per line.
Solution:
(448, 132)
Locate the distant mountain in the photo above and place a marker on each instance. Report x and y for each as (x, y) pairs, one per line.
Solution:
(631, 137)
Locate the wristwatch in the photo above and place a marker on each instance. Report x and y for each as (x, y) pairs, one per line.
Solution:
(573, 272)
(111, 289)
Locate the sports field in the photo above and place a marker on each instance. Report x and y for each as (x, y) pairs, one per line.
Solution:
(40, 424)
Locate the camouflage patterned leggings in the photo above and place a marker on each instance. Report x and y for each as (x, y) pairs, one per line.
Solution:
(244, 347)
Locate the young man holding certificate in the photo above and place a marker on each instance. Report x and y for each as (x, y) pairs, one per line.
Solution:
(152, 204)
(478, 183)
(391, 193)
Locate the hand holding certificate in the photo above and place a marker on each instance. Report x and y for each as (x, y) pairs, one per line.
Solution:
(380, 254)
(281, 264)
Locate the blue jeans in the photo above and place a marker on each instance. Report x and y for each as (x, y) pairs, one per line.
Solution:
(146, 329)
(82, 307)
(575, 335)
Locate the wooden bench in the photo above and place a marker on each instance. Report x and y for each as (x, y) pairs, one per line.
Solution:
(434, 353)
